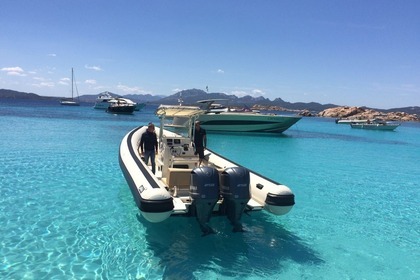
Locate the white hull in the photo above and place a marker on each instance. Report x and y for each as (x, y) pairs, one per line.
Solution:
(346, 121)
(246, 122)
(69, 103)
(169, 192)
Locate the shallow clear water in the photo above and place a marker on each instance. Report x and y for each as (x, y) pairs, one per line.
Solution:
(67, 213)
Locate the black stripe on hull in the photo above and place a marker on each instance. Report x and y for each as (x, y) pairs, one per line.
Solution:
(145, 205)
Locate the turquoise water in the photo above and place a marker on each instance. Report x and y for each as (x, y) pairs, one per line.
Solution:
(67, 213)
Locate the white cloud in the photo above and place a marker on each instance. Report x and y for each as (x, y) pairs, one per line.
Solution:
(100, 88)
(252, 92)
(96, 68)
(239, 93)
(90, 82)
(44, 84)
(257, 92)
(52, 54)
(220, 71)
(175, 90)
(14, 71)
(128, 89)
(64, 81)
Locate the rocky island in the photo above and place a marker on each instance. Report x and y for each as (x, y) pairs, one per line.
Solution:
(348, 112)
(361, 113)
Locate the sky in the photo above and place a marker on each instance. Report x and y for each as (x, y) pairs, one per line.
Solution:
(344, 52)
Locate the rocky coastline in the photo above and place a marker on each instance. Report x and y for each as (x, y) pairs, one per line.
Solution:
(361, 113)
(348, 112)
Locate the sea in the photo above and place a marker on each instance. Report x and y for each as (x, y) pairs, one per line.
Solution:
(66, 211)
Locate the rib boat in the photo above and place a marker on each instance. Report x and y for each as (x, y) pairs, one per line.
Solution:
(180, 186)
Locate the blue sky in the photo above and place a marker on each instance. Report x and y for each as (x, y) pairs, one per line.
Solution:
(355, 53)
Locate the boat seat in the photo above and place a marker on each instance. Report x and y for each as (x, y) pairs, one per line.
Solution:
(181, 179)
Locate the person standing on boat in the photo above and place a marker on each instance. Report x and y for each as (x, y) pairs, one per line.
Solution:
(200, 141)
(149, 146)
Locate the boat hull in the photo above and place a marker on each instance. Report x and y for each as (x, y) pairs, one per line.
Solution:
(121, 109)
(350, 121)
(69, 103)
(154, 202)
(388, 127)
(247, 122)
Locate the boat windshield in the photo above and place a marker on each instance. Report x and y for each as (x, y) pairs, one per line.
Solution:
(179, 119)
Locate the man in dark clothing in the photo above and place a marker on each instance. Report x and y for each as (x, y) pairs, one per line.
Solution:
(149, 146)
(200, 141)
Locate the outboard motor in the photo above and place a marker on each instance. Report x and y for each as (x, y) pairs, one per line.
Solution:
(204, 191)
(235, 191)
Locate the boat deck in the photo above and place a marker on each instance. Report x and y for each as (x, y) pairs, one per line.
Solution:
(178, 181)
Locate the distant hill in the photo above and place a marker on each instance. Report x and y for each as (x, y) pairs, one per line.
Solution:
(191, 96)
(141, 98)
(12, 94)
(87, 98)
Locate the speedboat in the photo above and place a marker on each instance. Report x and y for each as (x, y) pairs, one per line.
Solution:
(182, 187)
(243, 121)
(105, 99)
(376, 125)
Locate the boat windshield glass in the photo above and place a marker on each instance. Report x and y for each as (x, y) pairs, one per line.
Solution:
(179, 119)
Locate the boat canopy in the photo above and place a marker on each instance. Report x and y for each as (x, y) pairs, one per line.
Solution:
(169, 111)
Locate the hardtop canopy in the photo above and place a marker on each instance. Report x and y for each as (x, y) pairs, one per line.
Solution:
(170, 111)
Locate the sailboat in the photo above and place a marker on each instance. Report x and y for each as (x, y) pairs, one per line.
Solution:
(71, 101)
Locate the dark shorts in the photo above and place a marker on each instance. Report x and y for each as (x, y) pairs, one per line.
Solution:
(200, 152)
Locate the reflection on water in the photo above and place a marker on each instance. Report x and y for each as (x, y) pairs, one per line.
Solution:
(260, 251)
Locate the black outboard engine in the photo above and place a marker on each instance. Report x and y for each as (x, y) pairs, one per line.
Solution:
(235, 192)
(204, 191)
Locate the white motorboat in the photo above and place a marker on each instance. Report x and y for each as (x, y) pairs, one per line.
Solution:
(242, 121)
(350, 121)
(376, 125)
(105, 100)
(181, 187)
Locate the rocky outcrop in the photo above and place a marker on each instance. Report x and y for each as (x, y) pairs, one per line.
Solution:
(306, 113)
(361, 113)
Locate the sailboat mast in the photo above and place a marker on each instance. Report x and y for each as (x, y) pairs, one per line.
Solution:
(72, 83)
